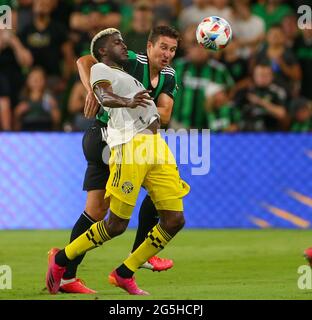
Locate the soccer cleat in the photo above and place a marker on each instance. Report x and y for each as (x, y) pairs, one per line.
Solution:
(308, 255)
(75, 286)
(54, 273)
(128, 284)
(157, 264)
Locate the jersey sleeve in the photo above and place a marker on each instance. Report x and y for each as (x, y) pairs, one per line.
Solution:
(132, 62)
(101, 73)
(170, 86)
(132, 55)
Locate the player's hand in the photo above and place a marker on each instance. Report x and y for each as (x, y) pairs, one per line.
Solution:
(141, 99)
(91, 105)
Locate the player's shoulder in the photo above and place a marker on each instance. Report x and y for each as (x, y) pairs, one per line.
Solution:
(100, 66)
(140, 57)
(169, 71)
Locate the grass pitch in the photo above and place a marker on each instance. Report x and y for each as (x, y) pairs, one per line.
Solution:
(209, 264)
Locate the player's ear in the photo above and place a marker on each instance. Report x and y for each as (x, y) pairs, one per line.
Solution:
(102, 51)
(149, 44)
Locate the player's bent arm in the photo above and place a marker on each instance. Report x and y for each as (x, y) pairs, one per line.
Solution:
(84, 65)
(164, 107)
(107, 98)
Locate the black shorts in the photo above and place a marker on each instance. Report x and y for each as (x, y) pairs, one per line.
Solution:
(96, 153)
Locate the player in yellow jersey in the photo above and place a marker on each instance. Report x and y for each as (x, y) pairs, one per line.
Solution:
(153, 71)
(139, 157)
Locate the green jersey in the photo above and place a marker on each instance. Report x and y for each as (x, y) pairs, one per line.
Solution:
(196, 83)
(305, 126)
(138, 67)
(222, 118)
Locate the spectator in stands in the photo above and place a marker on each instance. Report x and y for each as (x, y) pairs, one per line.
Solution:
(221, 115)
(237, 66)
(106, 11)
(193, 14)
(142, 23)
(290, 30)
(303, 52)
(48, 43)
(271, 11)
(13, 58)
(23, 14)
(262, 104)
(166, 12)
(198, 77)
(75, 107)
(287, 72)
(38, 109)
(94, 17)
(61, 11)
(222, 9)
(5, 105)
(301, 120)
(248, 29)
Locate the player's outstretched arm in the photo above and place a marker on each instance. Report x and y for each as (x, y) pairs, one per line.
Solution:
(107, 98)
(84, 65)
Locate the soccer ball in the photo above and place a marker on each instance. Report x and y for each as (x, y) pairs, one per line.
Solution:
(214, 33)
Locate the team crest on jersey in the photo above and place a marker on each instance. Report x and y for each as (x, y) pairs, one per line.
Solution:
(127, 187)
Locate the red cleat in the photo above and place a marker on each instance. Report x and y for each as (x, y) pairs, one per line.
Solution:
(75, 286)
(55, 272)
(308, 255)
(128, 284)
(157, 264)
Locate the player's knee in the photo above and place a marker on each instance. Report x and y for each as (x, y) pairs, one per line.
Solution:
(178, 222)
(96, 213)
(96, 205)
(173, 222)
(116, 226)
(116, 230)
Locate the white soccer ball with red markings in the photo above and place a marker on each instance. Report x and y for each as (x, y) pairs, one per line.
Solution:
(214, 33)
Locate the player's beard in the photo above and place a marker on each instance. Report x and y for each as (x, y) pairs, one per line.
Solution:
(117, 59)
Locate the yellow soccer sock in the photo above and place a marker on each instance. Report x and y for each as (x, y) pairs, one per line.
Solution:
(155, 241)
(93, 237)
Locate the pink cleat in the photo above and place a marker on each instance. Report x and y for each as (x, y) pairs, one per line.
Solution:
(75, 286)
(55, 272)
(160, 264)
(128, 284)
(308, 255)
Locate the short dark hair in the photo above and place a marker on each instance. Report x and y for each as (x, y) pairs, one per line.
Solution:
(165, 31)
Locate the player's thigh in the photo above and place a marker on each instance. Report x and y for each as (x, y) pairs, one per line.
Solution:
(93, 143)
(125, 179)
(97, 171)
(163, 180)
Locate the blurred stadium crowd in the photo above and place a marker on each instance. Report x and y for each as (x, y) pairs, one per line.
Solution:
(260, 82)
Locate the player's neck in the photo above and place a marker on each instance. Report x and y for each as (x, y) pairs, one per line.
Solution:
(154, 70)
(112, 64)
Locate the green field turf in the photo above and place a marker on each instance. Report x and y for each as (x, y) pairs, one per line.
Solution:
(209, 264)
